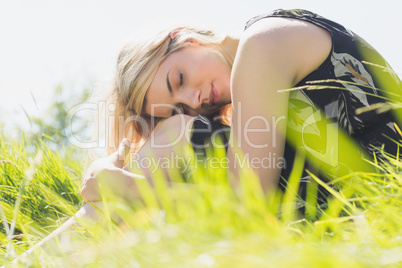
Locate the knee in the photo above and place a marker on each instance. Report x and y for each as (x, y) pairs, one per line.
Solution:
(176, 128)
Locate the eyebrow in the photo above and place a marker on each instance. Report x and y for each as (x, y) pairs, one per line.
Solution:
(169, 86)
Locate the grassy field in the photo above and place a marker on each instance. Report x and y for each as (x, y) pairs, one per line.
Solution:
(203, 223)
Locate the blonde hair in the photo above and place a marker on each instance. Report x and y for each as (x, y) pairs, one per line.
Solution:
(137, 65)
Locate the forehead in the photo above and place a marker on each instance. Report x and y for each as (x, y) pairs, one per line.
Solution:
(158, 98)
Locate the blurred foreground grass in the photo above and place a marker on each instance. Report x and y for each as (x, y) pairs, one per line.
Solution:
(203, 223)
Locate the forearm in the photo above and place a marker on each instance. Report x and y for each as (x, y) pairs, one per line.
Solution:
(167, 152)
(52, 244)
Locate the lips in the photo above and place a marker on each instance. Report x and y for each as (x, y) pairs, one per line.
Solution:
(213, 95)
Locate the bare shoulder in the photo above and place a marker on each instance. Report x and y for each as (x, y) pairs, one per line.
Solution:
(273, 54)
(299, 46)
(282, 26)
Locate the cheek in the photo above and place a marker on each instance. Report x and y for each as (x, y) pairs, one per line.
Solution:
(209, 64)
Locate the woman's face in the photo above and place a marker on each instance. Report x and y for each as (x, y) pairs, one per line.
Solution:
(193, 80)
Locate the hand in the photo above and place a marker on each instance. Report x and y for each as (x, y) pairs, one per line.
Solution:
(109, 170)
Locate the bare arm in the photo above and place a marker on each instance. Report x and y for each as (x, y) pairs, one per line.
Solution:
(273, 54)
(168, 145)
(109, 173)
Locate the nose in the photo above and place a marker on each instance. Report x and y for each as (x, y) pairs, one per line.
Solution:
(191, 98)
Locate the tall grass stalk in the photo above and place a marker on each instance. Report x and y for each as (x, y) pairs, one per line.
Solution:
(203, 222)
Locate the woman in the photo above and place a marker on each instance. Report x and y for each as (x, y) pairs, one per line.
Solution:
(191, 72)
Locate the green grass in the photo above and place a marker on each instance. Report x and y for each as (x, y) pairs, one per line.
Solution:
(202, 223)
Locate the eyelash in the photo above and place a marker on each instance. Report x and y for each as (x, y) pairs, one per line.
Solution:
(184, 109)
(181, 79)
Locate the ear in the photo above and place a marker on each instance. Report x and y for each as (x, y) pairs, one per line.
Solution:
(173, 34)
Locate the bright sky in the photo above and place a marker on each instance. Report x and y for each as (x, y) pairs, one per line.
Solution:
(47, 42)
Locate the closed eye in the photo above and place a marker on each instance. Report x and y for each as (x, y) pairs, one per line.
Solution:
(181, 79)
(177, 110)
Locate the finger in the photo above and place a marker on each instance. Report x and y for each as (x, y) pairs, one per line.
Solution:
(122, 152)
